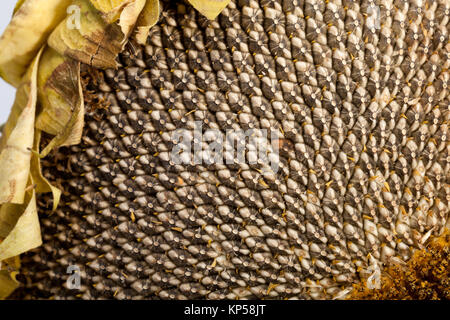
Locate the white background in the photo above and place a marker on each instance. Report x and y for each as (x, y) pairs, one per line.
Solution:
(7, 92)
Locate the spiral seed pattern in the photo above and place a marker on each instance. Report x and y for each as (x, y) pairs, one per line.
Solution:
(362, 113)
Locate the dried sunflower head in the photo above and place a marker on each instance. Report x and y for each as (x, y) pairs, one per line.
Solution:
(355, 94)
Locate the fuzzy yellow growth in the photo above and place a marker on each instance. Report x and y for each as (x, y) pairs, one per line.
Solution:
(425, 276)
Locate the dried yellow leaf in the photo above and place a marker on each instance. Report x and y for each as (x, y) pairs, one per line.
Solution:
(15, 156)
(19, 103)
(9, 214)
(210, 8)
(110, 9)
(96, 43)
(42, 184)
(148, 18)
(65, 81)
(25, 235)
(129, 16)
(60, 98)
(52, 96)
(8, 283)
(109, 5)
(27, 32)
(18, 5)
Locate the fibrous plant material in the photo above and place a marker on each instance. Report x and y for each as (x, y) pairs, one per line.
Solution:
(425, 276)
(360, 107)
(26, 34)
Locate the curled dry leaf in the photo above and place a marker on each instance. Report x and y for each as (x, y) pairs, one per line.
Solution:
(25, 235)
(8, 283)
(55, 91)
(129, 16)
(61, 100)
(19, 222)
(104, 27)
(15, 156)
(72, 132)
(96, 43)
(18, 5)
(125, 12)
(41, 183)
(30, 27)
(148, 18)
(209, 8)
(110, 10)
(9, 215)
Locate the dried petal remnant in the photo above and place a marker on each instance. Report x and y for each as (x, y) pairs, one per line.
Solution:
(210, 8)
(425, 276)
(15, 155)
(19, 222)
(148, 18)
(32, 23)
(96, 43)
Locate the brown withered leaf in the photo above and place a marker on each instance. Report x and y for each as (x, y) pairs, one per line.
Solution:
(60, 98)
(96, 43)
(148, 18)
(15, 156)
(57, 91)
(64, 85)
